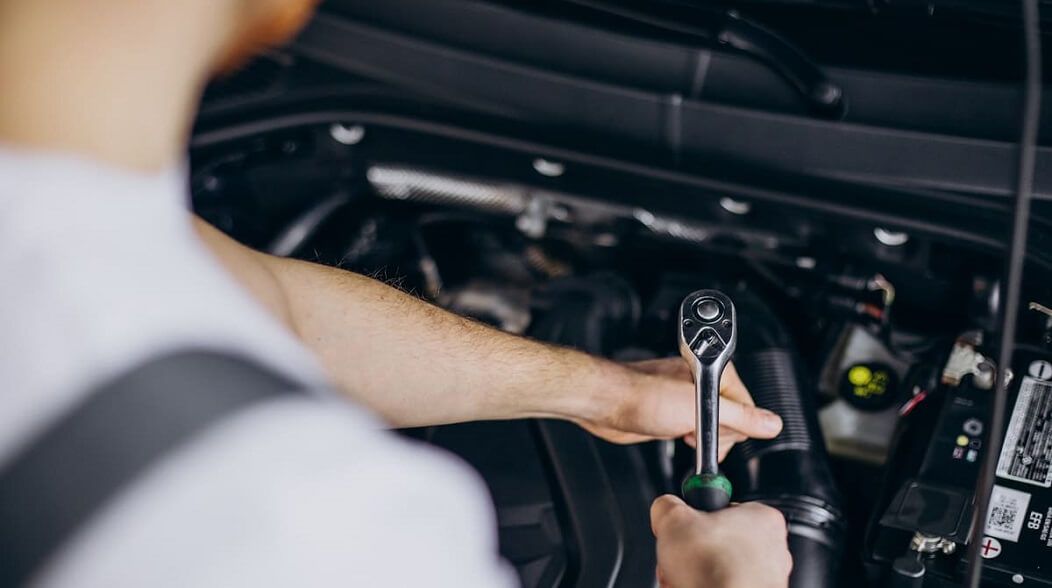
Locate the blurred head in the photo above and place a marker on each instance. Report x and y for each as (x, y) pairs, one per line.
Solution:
(124, 66)
(266, 23)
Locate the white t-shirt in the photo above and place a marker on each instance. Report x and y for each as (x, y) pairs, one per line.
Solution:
(101, 270)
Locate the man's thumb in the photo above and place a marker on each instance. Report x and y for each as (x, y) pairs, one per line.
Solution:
(666, 509)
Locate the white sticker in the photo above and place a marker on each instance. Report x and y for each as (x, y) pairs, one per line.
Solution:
(1026, 455)
(1007, 513)
(1040, 369)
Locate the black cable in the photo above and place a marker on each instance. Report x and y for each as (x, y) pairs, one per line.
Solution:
(1013, 280)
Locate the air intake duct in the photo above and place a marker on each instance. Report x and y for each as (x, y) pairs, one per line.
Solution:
(790, 472)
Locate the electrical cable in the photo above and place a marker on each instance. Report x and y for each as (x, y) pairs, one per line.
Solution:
(1013, 280)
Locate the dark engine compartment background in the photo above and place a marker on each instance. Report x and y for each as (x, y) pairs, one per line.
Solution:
(873, 238)
(573, 509)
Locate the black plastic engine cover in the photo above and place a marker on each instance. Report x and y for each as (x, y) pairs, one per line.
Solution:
(572, 510)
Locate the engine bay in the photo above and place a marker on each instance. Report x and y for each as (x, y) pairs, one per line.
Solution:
(577, 196)
(869, 342)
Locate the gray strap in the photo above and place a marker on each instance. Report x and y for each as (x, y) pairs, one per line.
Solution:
(85, 459)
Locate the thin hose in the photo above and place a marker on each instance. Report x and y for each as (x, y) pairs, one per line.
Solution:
(1014, 275)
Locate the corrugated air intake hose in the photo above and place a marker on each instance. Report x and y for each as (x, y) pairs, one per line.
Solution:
(790, 472)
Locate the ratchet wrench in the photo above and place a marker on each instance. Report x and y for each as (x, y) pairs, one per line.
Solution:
(707, 337)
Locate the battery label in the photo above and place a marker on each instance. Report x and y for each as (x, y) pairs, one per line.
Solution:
(1027, 452)
(1007, 513)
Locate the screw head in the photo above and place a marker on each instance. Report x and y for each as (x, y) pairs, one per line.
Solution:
(548, 168)
(347, 135)
(890, 238)
(806, 262)
(738, 207)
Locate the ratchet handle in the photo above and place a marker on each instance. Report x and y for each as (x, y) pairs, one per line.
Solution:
(707, 419)
(707, 492)
(707, 338)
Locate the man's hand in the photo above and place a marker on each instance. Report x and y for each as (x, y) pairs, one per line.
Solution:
(657, 401)
(740, 546)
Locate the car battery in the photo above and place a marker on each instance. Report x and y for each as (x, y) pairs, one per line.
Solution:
(932, 493)
(1017, 540)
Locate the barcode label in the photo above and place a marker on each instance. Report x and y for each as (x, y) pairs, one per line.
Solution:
(1027, 452)
(1006, 514)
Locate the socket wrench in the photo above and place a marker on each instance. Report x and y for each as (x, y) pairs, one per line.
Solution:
(707, 337)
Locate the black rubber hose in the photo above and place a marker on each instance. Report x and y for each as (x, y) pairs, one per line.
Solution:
(1013, 282)
(790, 472)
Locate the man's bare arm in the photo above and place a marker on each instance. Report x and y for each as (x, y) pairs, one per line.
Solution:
(417, 364)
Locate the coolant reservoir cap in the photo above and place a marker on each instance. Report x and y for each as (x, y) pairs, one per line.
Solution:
(869, 386)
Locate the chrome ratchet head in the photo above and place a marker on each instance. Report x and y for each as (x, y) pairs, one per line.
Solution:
(708, 330)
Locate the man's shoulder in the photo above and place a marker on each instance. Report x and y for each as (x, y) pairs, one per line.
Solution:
(301, 487)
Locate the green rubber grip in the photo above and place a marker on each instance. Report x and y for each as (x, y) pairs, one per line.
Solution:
(707, 492)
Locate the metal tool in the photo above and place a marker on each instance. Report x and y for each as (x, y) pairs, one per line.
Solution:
(707, 337)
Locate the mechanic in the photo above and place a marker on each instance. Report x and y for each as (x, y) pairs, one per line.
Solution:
(105, 268)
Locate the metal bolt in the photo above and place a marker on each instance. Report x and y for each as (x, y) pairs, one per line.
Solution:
(924, 543)
(983, 375)
(347, 135)
(533, 222)
(806, 262)
(733, 206)
(548, 168)
(890, 238)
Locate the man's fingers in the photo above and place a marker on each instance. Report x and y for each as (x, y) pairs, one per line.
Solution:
(749, 420)
(667, 411)
(731, 386)
(727, 437)
(664, 406)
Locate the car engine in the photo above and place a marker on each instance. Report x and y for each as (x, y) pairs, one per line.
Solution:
(868, 320)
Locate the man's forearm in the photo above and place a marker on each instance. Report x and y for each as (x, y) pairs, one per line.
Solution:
(412, 362)
(418, 364)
